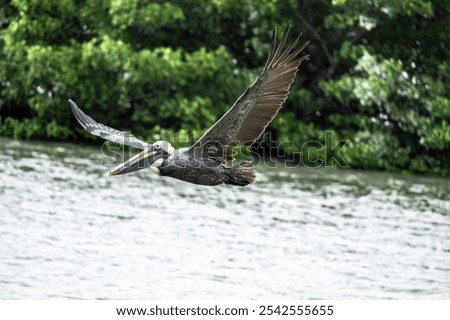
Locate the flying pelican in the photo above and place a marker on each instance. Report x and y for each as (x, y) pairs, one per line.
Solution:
(206, 161)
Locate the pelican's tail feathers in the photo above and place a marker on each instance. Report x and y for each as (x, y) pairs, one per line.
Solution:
(243, 174)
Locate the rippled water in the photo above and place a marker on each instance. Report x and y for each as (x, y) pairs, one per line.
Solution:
(69, 231)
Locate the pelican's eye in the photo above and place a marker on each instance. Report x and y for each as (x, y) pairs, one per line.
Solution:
(157, 146)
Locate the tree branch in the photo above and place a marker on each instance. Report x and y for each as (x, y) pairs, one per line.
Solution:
(312, 29)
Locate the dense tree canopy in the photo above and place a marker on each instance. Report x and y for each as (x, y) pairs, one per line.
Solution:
(378, 77)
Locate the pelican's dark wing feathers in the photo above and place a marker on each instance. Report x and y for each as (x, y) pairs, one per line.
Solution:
(253, 111)
(107, 133)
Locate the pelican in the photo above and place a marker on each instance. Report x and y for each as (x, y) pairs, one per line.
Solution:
(207, 161)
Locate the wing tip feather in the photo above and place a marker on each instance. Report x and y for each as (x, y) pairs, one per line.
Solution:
(277, 56)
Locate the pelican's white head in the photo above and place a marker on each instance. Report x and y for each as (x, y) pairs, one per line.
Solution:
(164, 146)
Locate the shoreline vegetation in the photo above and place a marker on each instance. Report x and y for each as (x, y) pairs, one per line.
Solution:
(378, 76)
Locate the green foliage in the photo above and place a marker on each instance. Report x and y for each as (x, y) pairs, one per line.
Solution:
(378, 77)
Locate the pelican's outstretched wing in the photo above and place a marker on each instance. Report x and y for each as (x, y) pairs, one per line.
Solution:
(253, 111)
(108, 133)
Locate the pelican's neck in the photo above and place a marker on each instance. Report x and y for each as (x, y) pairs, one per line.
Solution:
(155, 166)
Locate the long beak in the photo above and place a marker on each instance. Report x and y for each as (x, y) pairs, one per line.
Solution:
(142, 160)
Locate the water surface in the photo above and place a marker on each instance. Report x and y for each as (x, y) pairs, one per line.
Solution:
(69, 231)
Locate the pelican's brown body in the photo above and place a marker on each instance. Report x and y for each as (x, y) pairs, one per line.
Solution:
(206, 171)
(206, 162)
